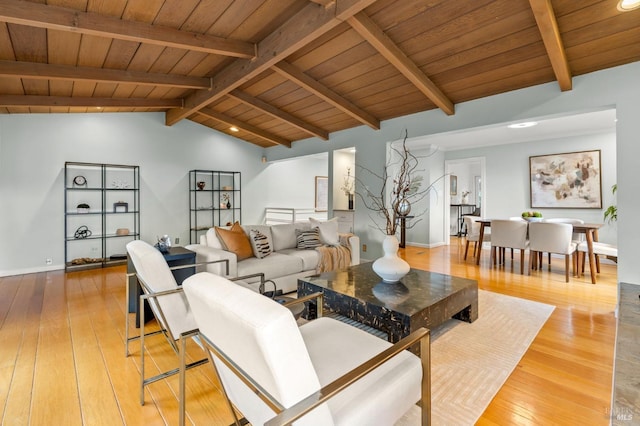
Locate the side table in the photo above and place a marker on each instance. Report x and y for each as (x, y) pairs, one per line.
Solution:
(176, 256)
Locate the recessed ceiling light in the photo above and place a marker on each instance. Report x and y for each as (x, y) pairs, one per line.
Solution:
(522, 125)
(234, 129)
(627, 5)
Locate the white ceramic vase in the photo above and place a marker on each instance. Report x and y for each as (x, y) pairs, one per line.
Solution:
(390, 267)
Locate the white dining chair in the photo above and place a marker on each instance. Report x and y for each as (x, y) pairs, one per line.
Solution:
(508, 234)
(599, 249)
(473, 234)
(546, 237)
(577, 237)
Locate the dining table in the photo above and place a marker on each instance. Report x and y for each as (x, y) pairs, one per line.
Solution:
(589, 229)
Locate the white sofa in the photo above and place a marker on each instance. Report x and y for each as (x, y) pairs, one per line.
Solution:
(284, 265)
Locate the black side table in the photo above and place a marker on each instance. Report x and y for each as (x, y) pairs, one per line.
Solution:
(176, 256)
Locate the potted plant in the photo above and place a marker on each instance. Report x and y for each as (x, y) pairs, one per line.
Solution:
(611, 213)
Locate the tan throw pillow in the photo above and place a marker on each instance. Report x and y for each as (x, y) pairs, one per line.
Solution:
(235, 241)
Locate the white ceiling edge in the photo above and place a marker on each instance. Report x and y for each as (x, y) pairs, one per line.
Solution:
(593, 122)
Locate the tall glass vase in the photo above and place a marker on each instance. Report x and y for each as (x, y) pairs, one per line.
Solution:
(350, 201)
(390, 267)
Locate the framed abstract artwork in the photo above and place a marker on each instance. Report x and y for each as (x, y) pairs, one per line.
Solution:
(567, 180)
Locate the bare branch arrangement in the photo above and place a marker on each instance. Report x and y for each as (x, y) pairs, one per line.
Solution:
(405, 190)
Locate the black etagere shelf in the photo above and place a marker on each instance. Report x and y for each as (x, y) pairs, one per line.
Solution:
(214, 200)
(102, 213)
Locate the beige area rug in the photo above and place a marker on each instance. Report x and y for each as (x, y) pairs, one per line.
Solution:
(471, 362)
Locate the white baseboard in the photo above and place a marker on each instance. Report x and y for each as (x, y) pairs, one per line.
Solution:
(432, 245)
(47, 268)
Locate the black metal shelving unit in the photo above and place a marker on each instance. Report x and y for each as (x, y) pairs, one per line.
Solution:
(214, 200)
(112, 219)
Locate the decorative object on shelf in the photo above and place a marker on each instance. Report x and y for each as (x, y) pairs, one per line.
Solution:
(348, 187)
(86, 260)
(122, 231)
(201, 184)
(79, 181)
(83, 208)
(227, 188)
(120, 207)
(120, 184)
(532, 216)
(405, 189)
(225, 200)
(465, 197)
(163, 244)
(82, 232)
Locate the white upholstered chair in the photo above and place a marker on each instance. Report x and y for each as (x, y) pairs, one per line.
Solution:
(272, 371)
(508, 234)
(576, 237)
(473, 234)
(167, 302)
(599, 249)
(545, 237)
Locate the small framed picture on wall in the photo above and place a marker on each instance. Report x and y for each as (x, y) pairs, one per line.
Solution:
(453, 185)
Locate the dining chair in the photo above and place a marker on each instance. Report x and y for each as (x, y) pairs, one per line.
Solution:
(546, 237)
(473, 234)
(508, 234)
(324, 372)
(599, 249)
(576, 237)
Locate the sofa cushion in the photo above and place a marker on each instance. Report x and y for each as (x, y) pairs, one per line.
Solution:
(273, 266)
(328, 230)
(308, 239)
(284, 235)
(259, 244)
(235, 241)
(212, 240)
(310, 258)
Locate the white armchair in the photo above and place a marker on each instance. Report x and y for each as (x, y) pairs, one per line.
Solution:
(322, 373)
(545, 237)
(508, 234)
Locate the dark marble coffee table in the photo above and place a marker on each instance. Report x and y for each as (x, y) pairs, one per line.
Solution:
(420, 299)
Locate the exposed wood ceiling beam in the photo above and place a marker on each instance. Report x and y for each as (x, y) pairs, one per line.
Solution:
(325, 3)
(279, 114)
(60, 18)
(323, 92)
(210, 113)
(392, 53)
(304, 27)
(43, 71)
(548, 26)
(67, 101)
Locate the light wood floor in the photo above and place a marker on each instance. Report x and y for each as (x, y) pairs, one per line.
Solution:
(62, 350)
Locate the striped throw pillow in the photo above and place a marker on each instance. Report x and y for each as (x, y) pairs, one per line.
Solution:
(308, 239)
(259, 244)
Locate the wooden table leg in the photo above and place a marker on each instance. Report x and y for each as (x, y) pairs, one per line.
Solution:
(592, 261)
(480, 239)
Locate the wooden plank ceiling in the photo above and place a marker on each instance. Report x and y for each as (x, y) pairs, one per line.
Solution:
(286, 70)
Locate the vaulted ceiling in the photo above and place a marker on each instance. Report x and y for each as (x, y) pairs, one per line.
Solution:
(285, 70)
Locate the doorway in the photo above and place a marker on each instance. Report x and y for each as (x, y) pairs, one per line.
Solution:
(469, 175)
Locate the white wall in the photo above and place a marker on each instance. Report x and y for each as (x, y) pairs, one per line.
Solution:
(291, 183)
(35, 147)
(614, 87)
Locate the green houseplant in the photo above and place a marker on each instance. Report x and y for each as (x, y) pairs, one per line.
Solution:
(611, 213)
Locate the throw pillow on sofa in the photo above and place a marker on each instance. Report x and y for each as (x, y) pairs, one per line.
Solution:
(259, 244)
(235, 241)
(308, 239)
(328, 230)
